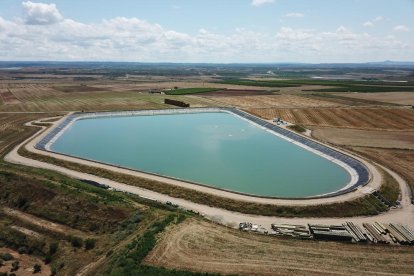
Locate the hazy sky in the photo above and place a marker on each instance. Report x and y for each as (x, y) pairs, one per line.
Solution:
(208, 30)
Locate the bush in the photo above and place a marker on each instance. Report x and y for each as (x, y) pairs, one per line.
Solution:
(22, 250)
(7, 257)
(15, 266)
(37, 268)
(48, 258)
(297, 128)
(76, 242)
(3, 273)
(89, 244)
(53, 247)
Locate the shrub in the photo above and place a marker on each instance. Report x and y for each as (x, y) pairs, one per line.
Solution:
(76, 242)
(89, 244)
(15, 266)
(37, 268)
(53, 247)
(22, 250)
(48, 258)
(7, 257)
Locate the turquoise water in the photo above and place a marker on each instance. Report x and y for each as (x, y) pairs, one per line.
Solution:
(216, 149)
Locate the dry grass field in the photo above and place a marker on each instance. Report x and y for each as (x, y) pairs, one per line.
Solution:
(399, 160)
(362, 118)
(404, 98)
(201, 246)
(273, 101)
(49, 101)
(365, 138)
(11, 128)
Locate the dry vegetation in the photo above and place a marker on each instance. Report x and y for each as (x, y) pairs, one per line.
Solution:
(365, 138)
(274, 101)
(41, 99)
(11, 128)
(26, 263)
(201, 246)
(399, 160)
(362, 118)
(404, 98)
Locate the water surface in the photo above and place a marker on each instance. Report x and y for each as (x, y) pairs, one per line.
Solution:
(216, 149)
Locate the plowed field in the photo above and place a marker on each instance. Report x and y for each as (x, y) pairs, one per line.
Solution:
(363, 118)
(261, 101)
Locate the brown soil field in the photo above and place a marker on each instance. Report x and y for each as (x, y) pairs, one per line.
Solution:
(237, 92)
(363, 118)
(404, 98)
(401, 161)
(35, 92)
(8, 97)
(345, 100)
(201, 246)
(279, 101)
(26, 262)
(78, 88)
(365, 138)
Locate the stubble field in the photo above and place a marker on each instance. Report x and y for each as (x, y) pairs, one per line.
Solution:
(201, 246)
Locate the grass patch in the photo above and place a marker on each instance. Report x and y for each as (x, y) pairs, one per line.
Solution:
(187, 91)
(390, 189)
(297, 128)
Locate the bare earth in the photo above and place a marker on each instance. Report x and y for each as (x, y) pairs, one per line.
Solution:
(202, 246)
(42, 223)
(26, 262)
(365, 138)
(405, 98)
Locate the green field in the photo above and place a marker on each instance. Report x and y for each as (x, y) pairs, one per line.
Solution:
(339, 85)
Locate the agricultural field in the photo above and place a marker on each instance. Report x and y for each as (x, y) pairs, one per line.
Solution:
(186, 91)
(272, 101)
(362, 118)
(399, 160)
(32, 100)
(239, 92)
(228, 251)
(365, 138)
(403, 98)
